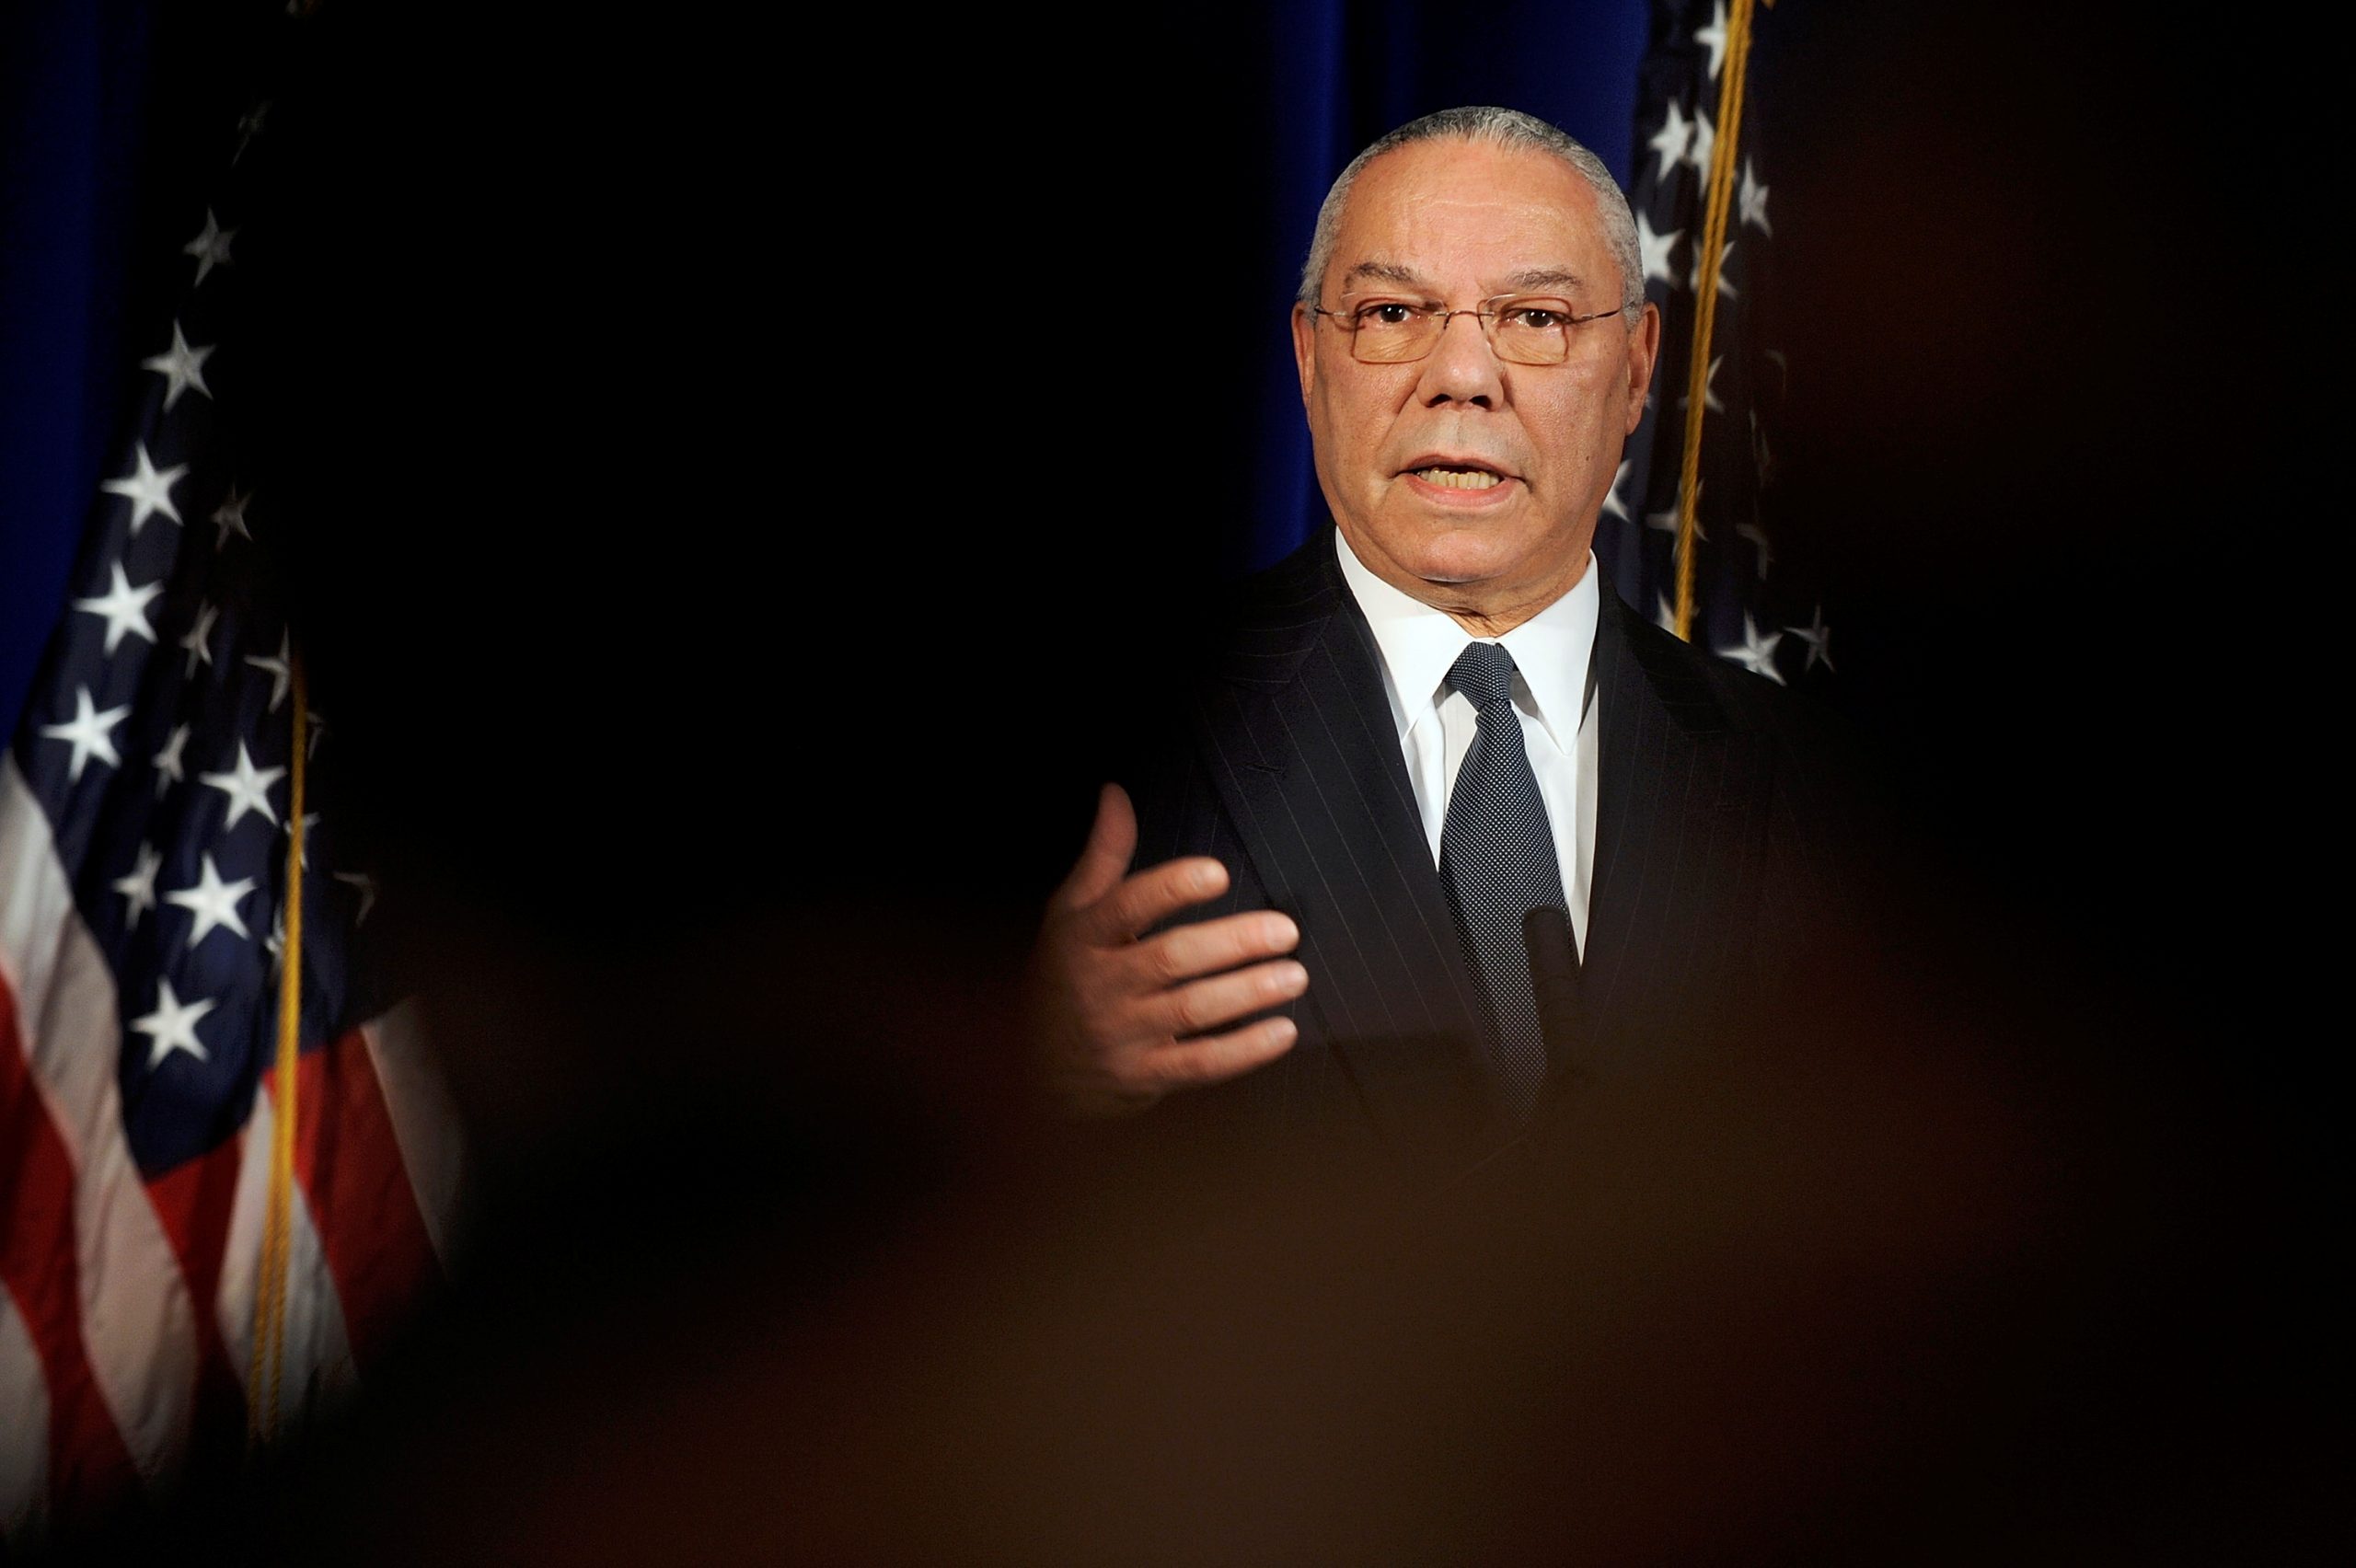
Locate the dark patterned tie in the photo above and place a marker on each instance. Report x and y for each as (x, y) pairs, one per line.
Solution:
(1496, 854)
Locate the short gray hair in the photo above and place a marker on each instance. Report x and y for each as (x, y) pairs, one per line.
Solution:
(1504, 128)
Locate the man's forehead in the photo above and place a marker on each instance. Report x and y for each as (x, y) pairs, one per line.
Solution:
(1515, 209)
(1378, 272)
(1454, 169)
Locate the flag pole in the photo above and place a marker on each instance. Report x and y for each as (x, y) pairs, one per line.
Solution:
(1705, 306)
(265, 1371)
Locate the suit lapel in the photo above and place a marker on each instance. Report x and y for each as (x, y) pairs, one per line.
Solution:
(1682, 804)
(1304, 753)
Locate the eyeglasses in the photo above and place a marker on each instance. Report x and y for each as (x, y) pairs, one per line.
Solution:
(1522, 330)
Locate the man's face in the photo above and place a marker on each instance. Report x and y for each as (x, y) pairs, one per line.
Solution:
(1402, 449)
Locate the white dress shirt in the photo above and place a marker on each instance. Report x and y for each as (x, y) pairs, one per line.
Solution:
(1552, 695)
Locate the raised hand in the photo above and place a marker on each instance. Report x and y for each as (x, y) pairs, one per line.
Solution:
(1121, 1017)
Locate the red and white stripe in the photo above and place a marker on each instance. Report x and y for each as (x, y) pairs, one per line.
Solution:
(24, 1462)
(83, 1255)
(316, 1362)
(105, 1377)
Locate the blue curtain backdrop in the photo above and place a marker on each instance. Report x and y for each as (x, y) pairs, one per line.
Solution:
(91, 92)
(74, 82)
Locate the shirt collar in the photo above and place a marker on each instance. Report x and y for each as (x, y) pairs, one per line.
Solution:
(1419, 645)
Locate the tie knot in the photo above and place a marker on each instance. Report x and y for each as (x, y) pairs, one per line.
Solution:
(1483, 672)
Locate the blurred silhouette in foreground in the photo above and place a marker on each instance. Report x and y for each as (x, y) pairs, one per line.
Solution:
(1876, 1290)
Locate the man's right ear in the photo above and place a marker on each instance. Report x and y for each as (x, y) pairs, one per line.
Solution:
(1304, 349)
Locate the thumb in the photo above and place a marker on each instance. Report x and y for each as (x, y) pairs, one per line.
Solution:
(1104, 859)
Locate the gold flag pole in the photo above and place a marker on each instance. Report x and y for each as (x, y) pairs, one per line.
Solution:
(265, 1372)
(1706, 307)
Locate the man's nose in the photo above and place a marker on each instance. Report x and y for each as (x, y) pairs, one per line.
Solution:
(1462, 367)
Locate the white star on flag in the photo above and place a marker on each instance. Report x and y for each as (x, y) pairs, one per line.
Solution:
(230, 516)
(367, 886)
(197, 641)
(1664, 613)
(1714, 38)
(1704, 140)
(1709, 389)
(1819, 638)
(1666, 521)
(139, 887)
(1758, 538)
(171, 1026)
(1755, 652)
(1725, 284)
(180, 366)
(214, 903)
(280, 668)
(1613, 505)
(1754, 199)
(150, 489)
(168, 767)
(247, 786)
(1654, 248)
(1671, 140)
(211, 247)
(124, 607)
(88, 733)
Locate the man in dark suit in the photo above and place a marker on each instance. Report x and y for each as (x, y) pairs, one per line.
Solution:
(1318, 929)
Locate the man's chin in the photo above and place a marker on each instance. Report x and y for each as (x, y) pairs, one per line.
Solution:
(1481, 582)
(1461, 557)
(1450, 564)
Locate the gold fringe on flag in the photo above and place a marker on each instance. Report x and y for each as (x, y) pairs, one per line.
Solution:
(264, 1373)
(1705, 306)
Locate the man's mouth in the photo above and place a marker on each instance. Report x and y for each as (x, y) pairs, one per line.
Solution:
(1453, 476)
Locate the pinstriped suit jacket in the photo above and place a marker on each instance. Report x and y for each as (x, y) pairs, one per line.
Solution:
(1289, 771)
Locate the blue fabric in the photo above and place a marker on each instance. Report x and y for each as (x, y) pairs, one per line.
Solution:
(73, 81)
(82, 83)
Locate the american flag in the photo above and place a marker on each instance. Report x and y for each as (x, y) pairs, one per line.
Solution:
(146, 810)
(1698, 127)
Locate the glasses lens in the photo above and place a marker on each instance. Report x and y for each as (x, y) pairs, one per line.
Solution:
(1532, 332)
(1388, 334)
(1522, 331)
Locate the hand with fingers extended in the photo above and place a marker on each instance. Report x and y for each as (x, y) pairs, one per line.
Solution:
(1123, 1018)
